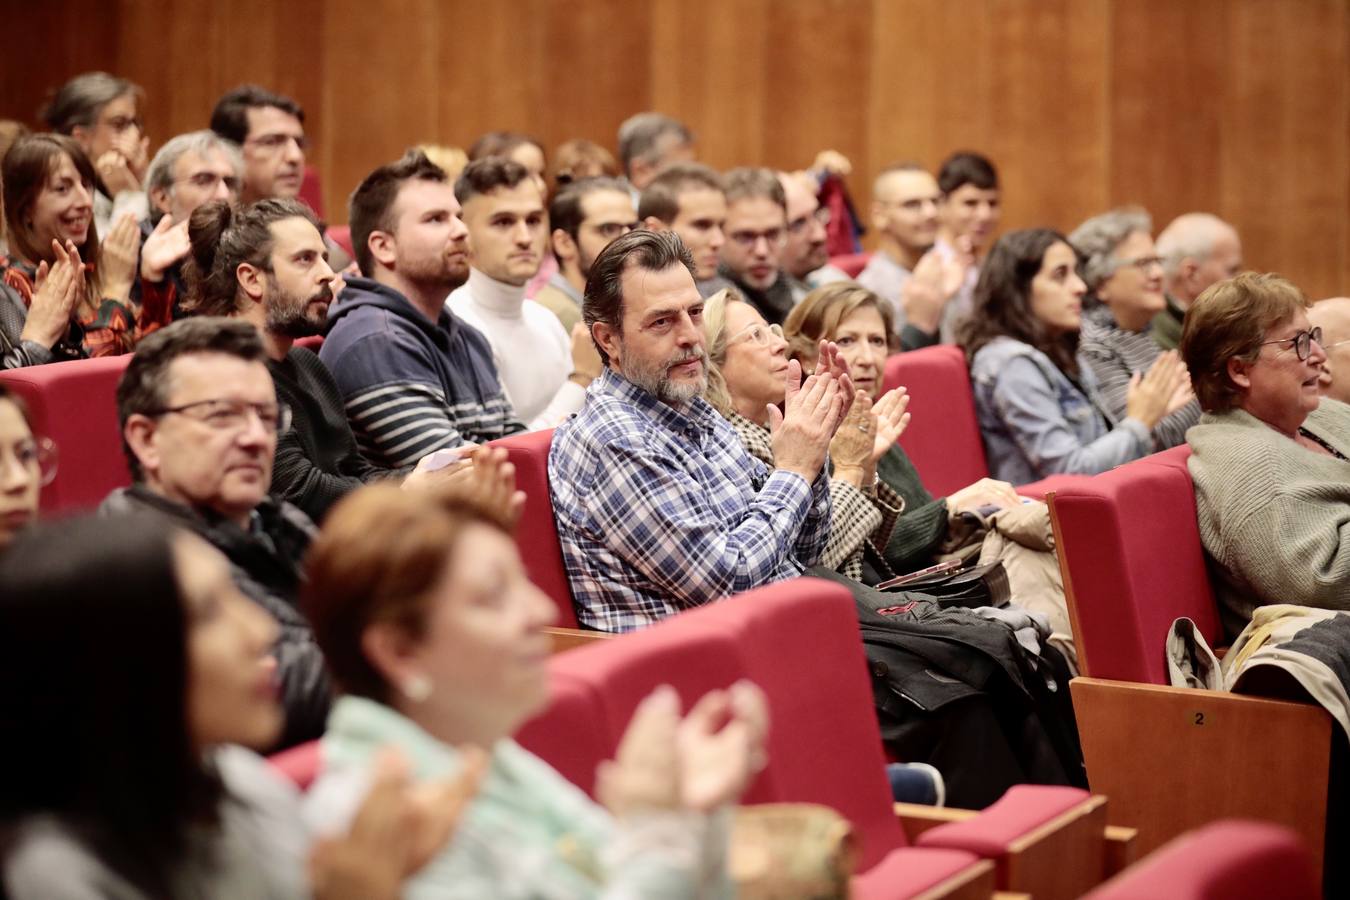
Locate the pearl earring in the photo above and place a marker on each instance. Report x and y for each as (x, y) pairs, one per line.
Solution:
(417, 688)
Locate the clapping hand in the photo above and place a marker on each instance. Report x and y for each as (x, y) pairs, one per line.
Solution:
(164, 246)
(891, 421)
(117, 258)
(60, 288)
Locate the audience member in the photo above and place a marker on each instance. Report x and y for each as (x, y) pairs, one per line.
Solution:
(585, 215)
(48, 191)
(804, 257)
(1125, 277)
(518, 148)
(133, 779)
(648, 143)
(1269, 455)
(658, 506)
(579, 158)
(688, 199)
(413, 376)
(969, 210)
(917, 283)
(1197, 249)
(270, 130)
(435, 634)
(200, 421)
(757, 234)
(543, 371)
(1037, 401)
(103, 114)
(265, 264)
(189, 170)
(27, 462)
(1333, 317)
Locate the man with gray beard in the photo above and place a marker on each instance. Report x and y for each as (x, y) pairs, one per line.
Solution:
(658, 506)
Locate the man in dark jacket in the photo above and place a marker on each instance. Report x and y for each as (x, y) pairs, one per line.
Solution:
(200, 421)
(415, 378)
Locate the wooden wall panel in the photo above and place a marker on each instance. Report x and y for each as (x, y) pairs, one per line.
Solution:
(1238, 106)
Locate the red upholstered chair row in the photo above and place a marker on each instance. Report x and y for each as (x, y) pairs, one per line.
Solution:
(311, 190)
(1234, 860)
(851, 264)
(75, 404)
(313, 342)
(943, 438)
(1169, 758)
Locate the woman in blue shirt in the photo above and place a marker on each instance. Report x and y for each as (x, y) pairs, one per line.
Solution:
(1038, 405)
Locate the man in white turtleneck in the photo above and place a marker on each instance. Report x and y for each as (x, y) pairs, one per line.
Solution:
(543, 371)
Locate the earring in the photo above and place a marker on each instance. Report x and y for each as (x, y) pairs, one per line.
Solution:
(417, 688)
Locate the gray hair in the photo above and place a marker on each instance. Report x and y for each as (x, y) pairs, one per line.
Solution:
(640, 136)
(79, 101)
(160, 173)
(1096, 241)
(1189, 236)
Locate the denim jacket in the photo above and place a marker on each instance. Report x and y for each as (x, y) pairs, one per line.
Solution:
(1036, 422)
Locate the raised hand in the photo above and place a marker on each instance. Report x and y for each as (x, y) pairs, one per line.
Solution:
(716, 765)
(398, 830)
(832, 162)
(60, 289)
(164, 246)
(115, 171)
(117, 259)
(645, 771)
(487, 480)
(891, 421)
(811, 414)
(851, 446)
(1152, 395)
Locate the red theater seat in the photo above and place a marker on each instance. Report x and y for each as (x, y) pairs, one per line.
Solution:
(342, 236)
(314, 342)
(1169, 758)
(75, 404)
(1232, 860)
(571, 733)
(851, 264)
(311, 190)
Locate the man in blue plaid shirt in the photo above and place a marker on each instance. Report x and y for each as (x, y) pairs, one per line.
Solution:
(659, 507)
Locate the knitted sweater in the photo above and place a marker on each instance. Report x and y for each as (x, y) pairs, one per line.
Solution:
(1273, 515)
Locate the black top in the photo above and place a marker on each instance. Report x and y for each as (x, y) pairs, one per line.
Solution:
(317, 460)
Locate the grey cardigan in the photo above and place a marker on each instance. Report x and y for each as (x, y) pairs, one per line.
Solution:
(1036, 422)
(1274, 516)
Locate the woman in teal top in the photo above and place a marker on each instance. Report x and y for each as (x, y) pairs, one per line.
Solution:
(435, 636)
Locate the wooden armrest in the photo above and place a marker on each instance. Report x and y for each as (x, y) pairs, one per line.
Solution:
(916, 818)
(1121, 849)
(567, 638)
(1172, 759)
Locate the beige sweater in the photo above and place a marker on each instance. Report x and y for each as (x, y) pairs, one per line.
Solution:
(1274, 515)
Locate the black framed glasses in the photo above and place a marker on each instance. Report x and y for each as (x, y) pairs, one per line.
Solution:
(233, 415)
(1302, 341)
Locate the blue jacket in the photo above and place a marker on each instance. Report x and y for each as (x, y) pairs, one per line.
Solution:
(1037, 422)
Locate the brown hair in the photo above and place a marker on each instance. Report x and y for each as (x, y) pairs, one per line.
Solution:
(372, 202)
(24, 172)
(1230, 319)
(818, 315)
(661, 197)
(579, 158)
(381, 551)
(650, 251)
(224, 235)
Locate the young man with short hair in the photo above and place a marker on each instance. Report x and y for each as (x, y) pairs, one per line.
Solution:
(756, 236)
(969, 212)
(585, 216)
(688, 199)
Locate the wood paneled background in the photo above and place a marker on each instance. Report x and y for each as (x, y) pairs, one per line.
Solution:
(1241, 107)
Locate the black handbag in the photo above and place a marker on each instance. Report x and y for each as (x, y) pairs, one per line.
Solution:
(970, 588)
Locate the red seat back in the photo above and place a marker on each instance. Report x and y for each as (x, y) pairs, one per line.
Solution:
(851, 264)
(1234, 859)
(75, 404)
(311, 190)
(537, 533)
(342, 236)
(799, 641)
(1131, 547)
(313, 342)
(943, 438)
(571, 734)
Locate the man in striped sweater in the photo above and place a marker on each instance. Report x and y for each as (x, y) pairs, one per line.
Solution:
(414, 377)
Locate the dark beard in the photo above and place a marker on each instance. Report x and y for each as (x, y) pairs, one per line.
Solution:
(287, 318)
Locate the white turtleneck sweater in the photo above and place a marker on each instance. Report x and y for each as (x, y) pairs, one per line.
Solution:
(532, 352)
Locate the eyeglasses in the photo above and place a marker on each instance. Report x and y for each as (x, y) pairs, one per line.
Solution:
(774, 237)
(38, 455)
(610, 230)
(757, 334)
(1303, 342)
(1141, 263)
(120, 124)
(821, 215)
(273, 143)
(207, 181)
(232, 415)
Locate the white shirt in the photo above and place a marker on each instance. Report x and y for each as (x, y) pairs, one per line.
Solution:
(532, 352)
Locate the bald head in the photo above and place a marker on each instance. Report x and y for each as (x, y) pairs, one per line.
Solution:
(1333, 317)
(1198, 249)
(905, 210)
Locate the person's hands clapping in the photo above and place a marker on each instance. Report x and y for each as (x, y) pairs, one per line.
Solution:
(717, 764)
(801, 433)
(645, 773)
(163, 247)
(60, 288)
(851, 446)
(892, 418)
(117, 259)
(488, 480)
(1165, 388)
